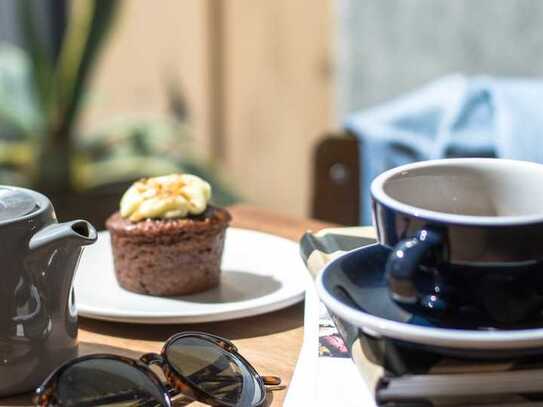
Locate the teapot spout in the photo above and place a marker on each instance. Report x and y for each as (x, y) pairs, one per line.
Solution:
(56, 250)
(77, 232)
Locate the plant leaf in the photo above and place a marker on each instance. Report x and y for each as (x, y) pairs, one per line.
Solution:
(88, 28)
(92, 174)
(18, 107)
(40, 61)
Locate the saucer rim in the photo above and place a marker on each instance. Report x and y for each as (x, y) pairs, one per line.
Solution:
(443, 337)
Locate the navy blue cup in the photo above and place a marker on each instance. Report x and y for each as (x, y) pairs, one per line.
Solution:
(466, 237)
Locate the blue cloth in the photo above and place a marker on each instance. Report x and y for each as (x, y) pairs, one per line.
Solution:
(455, 116)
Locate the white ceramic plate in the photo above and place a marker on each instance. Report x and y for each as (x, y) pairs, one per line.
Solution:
(260, 273)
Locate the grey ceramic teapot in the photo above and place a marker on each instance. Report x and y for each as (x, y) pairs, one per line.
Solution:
(38, 258)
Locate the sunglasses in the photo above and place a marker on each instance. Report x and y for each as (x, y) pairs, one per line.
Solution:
(199, 366)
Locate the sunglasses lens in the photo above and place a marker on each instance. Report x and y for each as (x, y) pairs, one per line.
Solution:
(215, 371)
(107, 382)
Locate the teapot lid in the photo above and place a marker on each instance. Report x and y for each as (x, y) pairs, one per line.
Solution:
(15, 203)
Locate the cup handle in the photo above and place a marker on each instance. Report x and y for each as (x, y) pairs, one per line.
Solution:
(403, 264)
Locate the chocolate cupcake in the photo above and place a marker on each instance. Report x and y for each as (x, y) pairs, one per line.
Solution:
(166, 239)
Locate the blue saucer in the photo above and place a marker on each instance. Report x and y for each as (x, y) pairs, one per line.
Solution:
(354, 289)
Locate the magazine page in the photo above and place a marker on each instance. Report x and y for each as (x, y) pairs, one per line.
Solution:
(325, 374)
(339, 381)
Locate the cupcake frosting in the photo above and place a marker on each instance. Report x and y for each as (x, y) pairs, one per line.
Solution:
(167, 197)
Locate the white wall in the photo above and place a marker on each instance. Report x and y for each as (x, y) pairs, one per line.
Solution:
(387, 47)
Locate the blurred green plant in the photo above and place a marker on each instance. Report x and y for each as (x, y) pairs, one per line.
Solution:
(41, 98)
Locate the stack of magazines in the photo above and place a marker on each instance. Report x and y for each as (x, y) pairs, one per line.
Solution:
(383, 373)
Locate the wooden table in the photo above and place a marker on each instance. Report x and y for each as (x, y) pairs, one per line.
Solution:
(271, 342)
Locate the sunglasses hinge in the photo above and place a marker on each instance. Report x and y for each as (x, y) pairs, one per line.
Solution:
(152, 359)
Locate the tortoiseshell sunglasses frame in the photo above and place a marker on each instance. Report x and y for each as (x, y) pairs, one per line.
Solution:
(46, 393)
